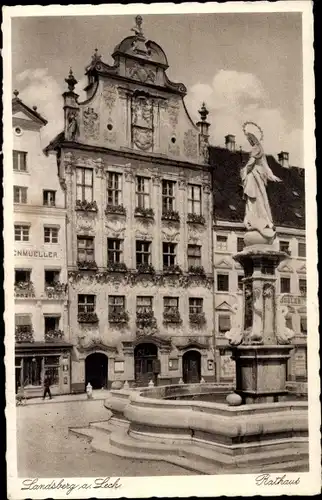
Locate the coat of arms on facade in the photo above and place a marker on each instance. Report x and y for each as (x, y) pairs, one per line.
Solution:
(190, 144)
(91, 123)
(142, 123)
(139, 72)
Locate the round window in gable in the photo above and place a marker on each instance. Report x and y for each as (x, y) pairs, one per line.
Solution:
(110, 127)
(173, 140)
(18, 131)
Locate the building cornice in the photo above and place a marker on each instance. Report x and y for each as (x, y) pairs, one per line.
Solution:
(39, 209)
(239, 226)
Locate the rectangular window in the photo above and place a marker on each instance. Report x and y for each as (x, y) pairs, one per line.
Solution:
(84, 184)
(21, 232)
(169, 254)
(144, 304)
(51, 277)
(19, 161)
(51, 323)
(23, 320)
(52, 369)
(194, 199)
(195, 305)
(224, 323)
(222, 282)
(85, 249)
(142, 192)
(302, 249)
(303, 325)
(240, 244)
(171, 304)
(168, 196)
(22, 276)
(240, 282)
(86, 303)
(19, 194)
(116, 304)
(143, 252)
(302, 286)
(222, 243)
(51, 234)
(285, 285)
(114, 250)
(49, 198)
(194, 255)
(114, 189)
(285, 247)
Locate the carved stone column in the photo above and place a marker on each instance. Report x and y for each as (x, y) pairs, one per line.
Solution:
(69, 169)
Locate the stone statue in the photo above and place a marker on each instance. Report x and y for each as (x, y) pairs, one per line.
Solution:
(284, 335)
(72, 126)
(235, 335)
(254, 175)
(138, 26)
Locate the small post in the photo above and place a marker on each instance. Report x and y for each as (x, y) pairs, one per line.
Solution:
(89, 391)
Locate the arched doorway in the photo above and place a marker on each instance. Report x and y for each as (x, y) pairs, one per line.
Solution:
(191, 367)
(96, 366)
(145, 356)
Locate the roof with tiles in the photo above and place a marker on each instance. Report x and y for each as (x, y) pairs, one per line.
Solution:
(287, 198)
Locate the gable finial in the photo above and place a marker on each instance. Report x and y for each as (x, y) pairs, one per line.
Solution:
(71, 80)
(16, 93)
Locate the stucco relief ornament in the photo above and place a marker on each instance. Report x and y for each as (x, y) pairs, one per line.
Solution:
(173, 112)
(91, 123)
(204, 148)
(139, 72)
(190, 144)
(109, 94)
(84, 222)
(143, 139)
(255, 175)
(142, 112)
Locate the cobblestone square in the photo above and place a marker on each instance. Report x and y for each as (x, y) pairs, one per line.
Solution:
(47, 449)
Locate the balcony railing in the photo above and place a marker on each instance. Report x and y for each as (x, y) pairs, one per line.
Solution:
(24, 333)
(172, 316)
(119, 317)
(86, 206)
(24, 289)
(87, 317)
(196, 219)
(54, 335)
(170, 215)
(115, 209)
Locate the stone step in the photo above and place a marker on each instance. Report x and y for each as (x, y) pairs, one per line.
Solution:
(111, 425)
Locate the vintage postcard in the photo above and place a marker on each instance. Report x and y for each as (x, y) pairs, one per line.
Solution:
(161, 277)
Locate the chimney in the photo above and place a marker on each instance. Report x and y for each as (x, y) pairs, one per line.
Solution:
(230, 142)
(283, 159)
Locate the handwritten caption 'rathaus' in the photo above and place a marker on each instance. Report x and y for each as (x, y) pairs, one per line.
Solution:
(63, 485)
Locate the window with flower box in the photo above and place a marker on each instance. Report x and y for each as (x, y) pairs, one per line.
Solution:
(224, 323)
(143, 253)
(114, 189)
(169, 254)
(144, 304)
(194, 256)
(23, 328)
(86, 308)
(19, 194)
(116, 309)
(196, 313)
(144, 313)
(51, 277)
(168, 196)
(171, 313)
(221, 243)
(85, 250)
(194, 199)
(143, 192)
(19, 161)
(22, 232)
(84, 184)
(22, 276)
(51, 234)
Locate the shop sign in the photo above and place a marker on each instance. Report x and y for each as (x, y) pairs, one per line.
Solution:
(42, 254)
(293, 300)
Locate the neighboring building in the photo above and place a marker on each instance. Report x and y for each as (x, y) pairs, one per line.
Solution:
(287, 200)
(39, 258)
(139, 233)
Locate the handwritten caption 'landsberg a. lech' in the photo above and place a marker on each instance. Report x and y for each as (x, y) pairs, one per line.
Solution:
(64, 486)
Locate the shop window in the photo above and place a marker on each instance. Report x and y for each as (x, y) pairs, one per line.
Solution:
(52, 369)
(21, 232)
(224, 323)
(222, 282)
(32, 371)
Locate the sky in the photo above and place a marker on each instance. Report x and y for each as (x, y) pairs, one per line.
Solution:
(246, 67)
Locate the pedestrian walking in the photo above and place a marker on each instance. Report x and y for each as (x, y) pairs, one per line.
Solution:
(47, 383)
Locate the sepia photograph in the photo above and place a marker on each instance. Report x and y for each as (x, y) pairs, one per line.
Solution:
(159, 199)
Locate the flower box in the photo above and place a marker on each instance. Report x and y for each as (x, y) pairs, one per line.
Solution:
(24, 333)
(145, 319)
(171, 215)
(145, 269)
(196, 271)
(197, 318)
(172, 317)
(24, 289)
(56, 288)
(87, 265)
(115, 209)
(86, 206)
(196, 219)
(146, 213)
(170, 270)
(53, 335)
(89, 317)
(118, 317)
(116, 267)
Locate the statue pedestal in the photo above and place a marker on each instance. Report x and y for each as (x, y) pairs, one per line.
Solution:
(261, 372)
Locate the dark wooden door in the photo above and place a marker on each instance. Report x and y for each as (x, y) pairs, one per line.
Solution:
(144, 360)
(191, 367)
(96, 366)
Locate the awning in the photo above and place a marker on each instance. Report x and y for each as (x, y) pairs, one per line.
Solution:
(41, 347)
